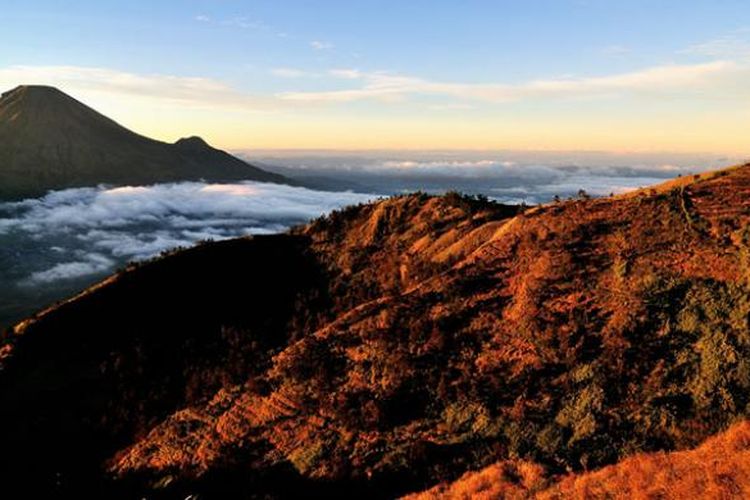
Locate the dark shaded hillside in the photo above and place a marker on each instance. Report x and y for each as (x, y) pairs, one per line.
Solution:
(48, 140)
(392, 346)
(167, 335)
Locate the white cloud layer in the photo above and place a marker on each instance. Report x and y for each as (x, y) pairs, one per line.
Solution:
(726, 47)
(196, 92)
(78, 233)
(729, 64)
(288, 72)
(346, 73)
(93, 263)
(509, 176)
(666, 78)
(90, 230)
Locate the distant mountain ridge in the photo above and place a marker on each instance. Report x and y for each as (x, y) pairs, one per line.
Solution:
(49, 140)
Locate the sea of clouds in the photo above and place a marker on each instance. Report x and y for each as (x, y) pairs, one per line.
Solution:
(91, 230)
(508, 176)
(53, 246)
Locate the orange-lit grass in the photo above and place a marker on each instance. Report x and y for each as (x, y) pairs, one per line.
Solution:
(508, 480)
(718, 469)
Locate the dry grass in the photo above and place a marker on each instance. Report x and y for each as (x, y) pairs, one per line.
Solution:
(507, 479)
(718, 469)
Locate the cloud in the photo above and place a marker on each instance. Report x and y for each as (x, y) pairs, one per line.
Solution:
(522, 173)
(726, 47)
(721, 78)
(448, 167)
(667, 78)
(451, 107)
(289, 73)
(246, 23)
(191, 91)
(81, 234)
(509, 176)
(104, 227)
(242, 22)
(321, 45)
(615, 50)
(93, 264)
(346, 74)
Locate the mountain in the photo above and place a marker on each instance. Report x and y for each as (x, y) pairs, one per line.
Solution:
(48, 140)
(394, 346)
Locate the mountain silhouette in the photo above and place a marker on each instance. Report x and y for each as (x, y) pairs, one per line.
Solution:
(49, 140)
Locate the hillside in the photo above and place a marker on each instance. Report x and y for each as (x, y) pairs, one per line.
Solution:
(48, 140)
(394, 346)
(718, 468)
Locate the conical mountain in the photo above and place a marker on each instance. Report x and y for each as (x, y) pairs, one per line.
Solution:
(49, 140)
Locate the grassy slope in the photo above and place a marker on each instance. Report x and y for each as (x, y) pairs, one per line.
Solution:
(424, 337)
(718, 468)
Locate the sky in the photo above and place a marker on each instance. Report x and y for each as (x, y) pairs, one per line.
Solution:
(656, 75)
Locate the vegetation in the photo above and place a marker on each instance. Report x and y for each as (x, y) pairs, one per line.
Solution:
(719, 468)
(397, 345)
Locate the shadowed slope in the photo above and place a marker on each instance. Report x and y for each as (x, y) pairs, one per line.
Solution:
(142, 345)
(48, 140)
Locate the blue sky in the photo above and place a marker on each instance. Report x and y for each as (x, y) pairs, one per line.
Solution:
(484, 74)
